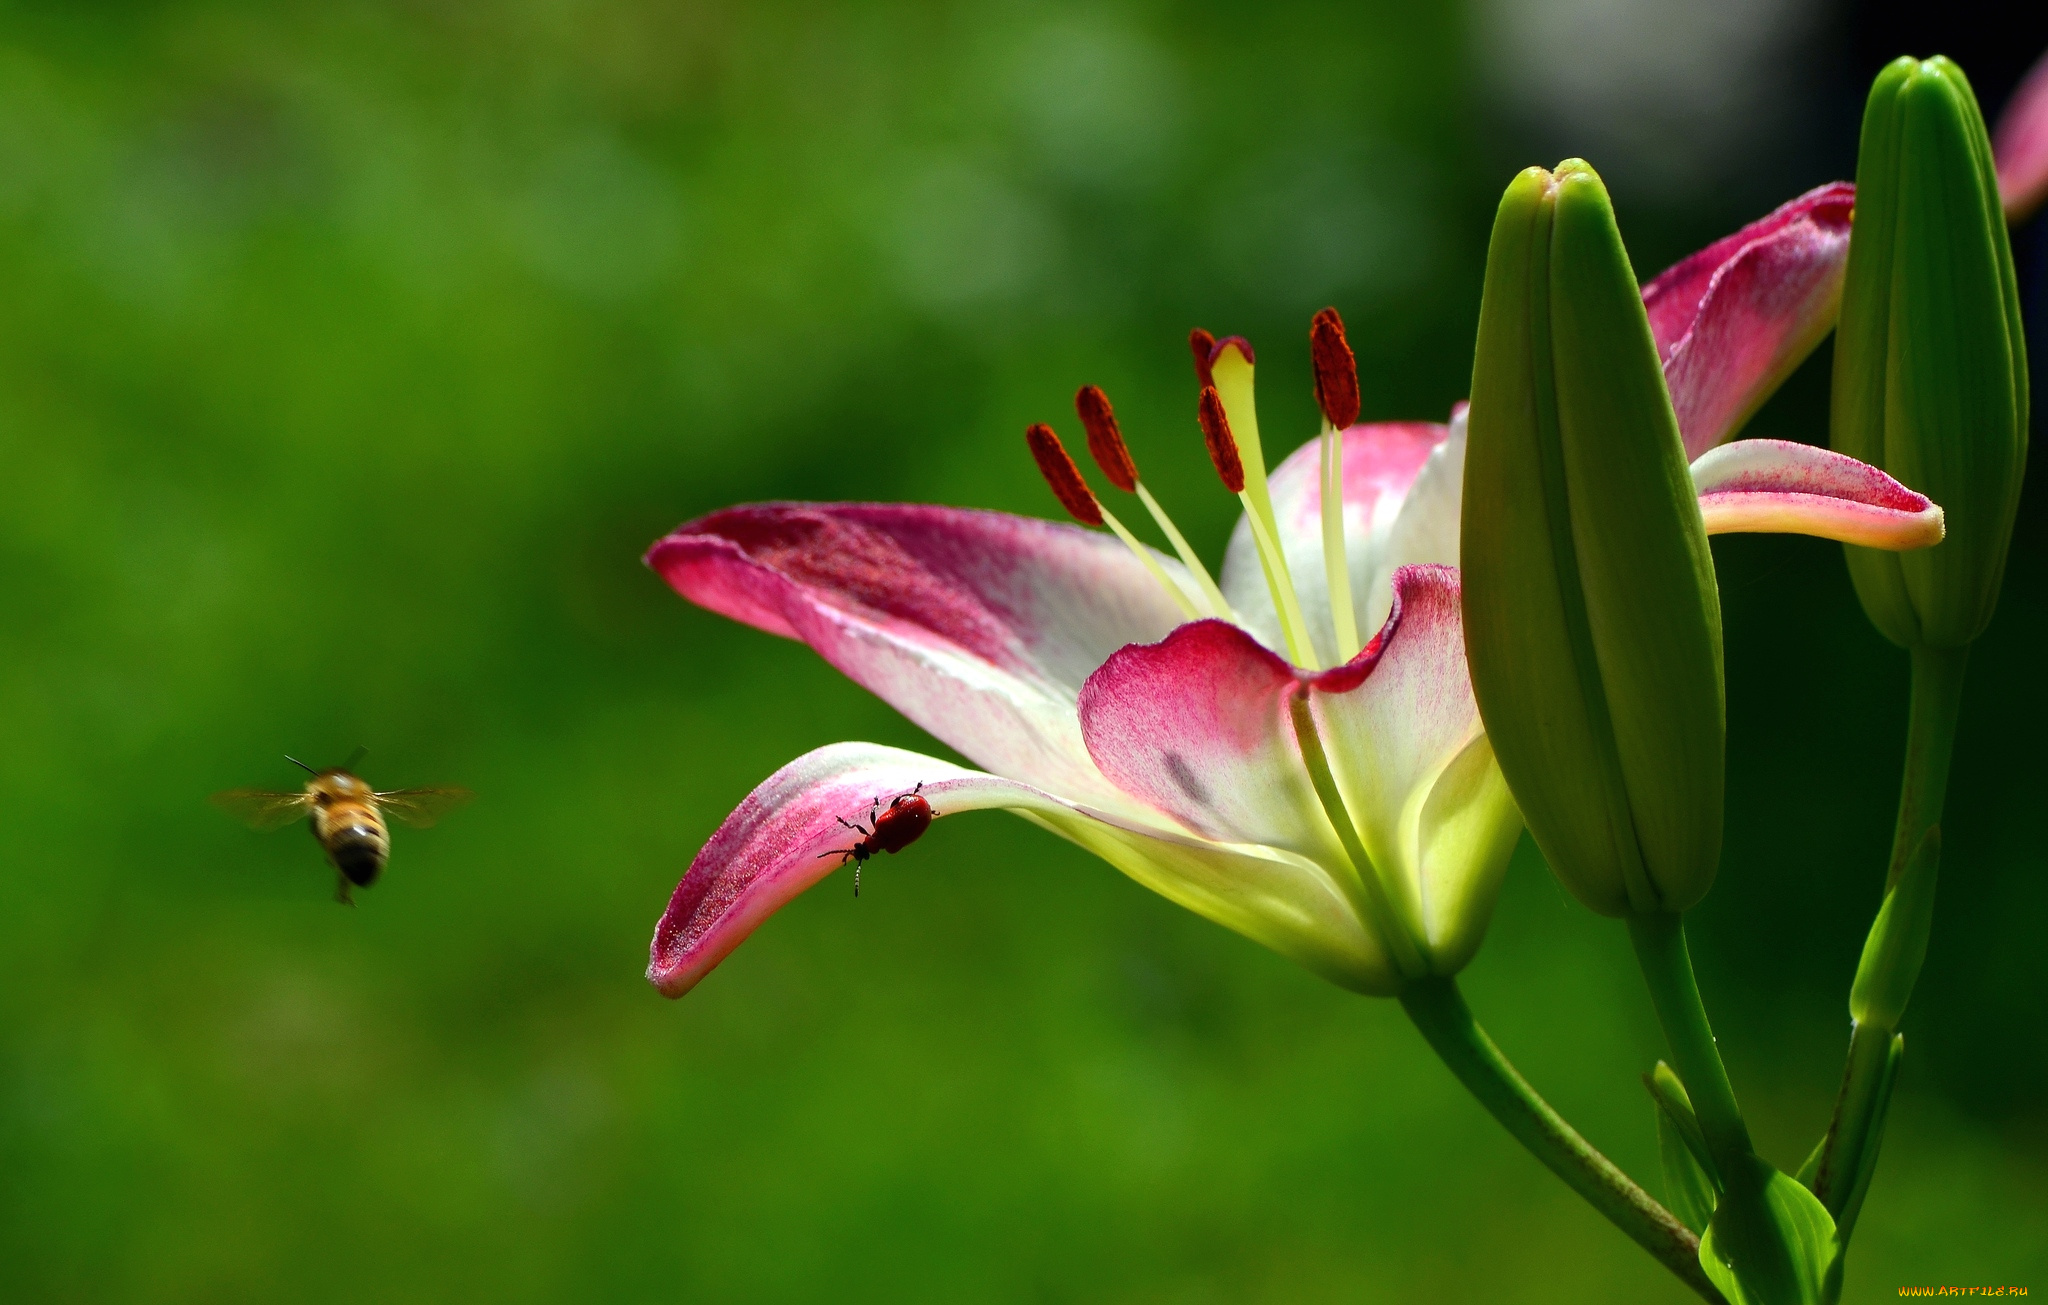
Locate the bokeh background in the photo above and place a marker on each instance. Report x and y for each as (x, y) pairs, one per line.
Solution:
(352, 352)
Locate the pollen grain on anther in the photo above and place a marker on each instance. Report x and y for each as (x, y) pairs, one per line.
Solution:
(1105, 441)
(1203, 346)
(1336, 370)
(1222, 444)
(1057, 466)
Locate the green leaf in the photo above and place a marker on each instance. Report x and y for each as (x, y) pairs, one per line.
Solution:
(1770, 1242)
(1810, 1171)
(1674, 1103)
(1897, 945)
(1686, 1186)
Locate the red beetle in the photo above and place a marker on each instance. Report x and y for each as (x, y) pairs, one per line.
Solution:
(903, 823)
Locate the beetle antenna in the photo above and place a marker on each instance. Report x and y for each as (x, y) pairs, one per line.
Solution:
(300, 764)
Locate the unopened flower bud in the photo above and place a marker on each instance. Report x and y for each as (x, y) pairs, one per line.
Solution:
(1930, 376)
(1592, 624)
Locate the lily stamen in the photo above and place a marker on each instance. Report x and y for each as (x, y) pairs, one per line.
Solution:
(1203, 346)
(1230, 370)
(1106, 445)
(1225, 452)
(1336, 371)
(1068, 486)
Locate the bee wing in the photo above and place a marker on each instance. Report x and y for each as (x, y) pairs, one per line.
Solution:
(262, 808)
(423, 806)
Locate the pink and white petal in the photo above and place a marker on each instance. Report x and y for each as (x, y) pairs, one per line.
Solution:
(1198, 726)
(1274, 897)
(1425, 531)
(1778, 487)
(978, 626)
(2020, 146)
(1734, 320)
(1381, 462)
(781, 840)
(1394, 722)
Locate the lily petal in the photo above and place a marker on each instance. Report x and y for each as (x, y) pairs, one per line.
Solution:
(2020, 146)
(1405, 743)
(1734, 320)
(1779, 487)
(1198, 726)
(1381, 462)
(978, 626)
(1426, 531)
(777, 844)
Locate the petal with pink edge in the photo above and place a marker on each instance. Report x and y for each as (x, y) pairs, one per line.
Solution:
(782, 838)
(2020, 146)
(1409, 755)
(1779, 487)
(1734, 320)
(978, 626)
(1381, 462)
(1198, 726)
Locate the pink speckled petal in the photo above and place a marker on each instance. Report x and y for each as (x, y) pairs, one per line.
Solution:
(778, 843)
(1778, 487)
(1734, 320)
(978, 626)
(2020, 146)
(1381, 463)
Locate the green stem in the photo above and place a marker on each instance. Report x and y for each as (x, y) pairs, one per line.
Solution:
(1440, 1013)
(1854, 1105)
(1930, 744)
(1667, 967)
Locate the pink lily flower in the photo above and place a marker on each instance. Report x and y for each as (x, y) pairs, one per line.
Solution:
(1350, 818)
(2020, 147)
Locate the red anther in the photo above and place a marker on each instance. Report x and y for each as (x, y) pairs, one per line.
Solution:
(1203, 346)
(1336, 370)
(1105, 441)
(1065, 478)
(1222, 444)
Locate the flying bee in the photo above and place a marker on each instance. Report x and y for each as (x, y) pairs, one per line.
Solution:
(348, 817)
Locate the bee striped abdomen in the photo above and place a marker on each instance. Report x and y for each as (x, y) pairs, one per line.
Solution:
(355, 838)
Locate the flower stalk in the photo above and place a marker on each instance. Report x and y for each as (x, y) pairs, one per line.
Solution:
(1666, 963)
(1897, 942)
(1439, 1013)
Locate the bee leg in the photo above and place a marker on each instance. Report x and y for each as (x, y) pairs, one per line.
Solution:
(856, 879)
(341, 890)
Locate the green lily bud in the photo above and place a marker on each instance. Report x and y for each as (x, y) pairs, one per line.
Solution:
(1592, 625)
(1930, 363)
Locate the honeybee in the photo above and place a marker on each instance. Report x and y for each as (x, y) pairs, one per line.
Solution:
(348, 817)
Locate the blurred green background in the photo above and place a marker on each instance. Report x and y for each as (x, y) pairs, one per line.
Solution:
(351, 353)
